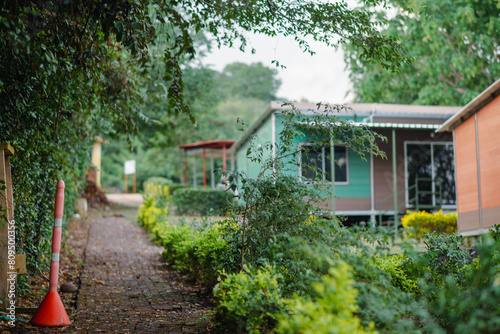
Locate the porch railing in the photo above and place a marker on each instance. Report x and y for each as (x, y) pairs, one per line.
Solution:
(436, 192)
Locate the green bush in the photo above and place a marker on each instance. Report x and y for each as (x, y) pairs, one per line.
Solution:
(201, 252)
(469, 303)
(416, 224)
(331, 309)
(398, 267)
(151, 212)
(447, 255)
(202, 201)
(250, 300)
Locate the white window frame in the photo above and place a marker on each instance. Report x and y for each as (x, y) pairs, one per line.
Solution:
(431, 143)
(323, 164)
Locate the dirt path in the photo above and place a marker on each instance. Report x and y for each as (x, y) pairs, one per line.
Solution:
(126, 199)
(126, 288)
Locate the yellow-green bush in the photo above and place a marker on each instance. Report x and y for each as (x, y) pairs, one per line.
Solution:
(250, 301)
(417, 224)
(397, 266)
(151, 212)
(332, 311)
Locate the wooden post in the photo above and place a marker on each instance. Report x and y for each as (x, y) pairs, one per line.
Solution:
(133, 186)
(395, 182)
(7, 212)
(224, 158)
(126, 183)
(186, 167)
(204, 169)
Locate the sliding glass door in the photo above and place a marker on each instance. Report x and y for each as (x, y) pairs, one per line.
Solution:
(430, 171)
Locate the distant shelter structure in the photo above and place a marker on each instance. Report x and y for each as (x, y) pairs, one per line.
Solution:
(212, 149)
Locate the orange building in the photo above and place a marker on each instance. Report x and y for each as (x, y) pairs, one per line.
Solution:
(476, 135)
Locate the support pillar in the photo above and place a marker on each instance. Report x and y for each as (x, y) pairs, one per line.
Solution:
(212, 177)
(395, 181)
(204, 169)
(194, 173)
(186, 168)
(224, 158)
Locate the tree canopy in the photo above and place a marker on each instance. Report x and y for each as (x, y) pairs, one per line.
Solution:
(74, 69)
(455, 46)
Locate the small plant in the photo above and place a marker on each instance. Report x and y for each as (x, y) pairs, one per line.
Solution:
(331, 309)
(250, 300)
(398, 267)
(495, 232)
(446, 255)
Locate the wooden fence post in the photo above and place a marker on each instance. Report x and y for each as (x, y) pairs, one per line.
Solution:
(7, 206)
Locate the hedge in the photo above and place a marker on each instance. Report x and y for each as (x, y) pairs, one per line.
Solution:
(201, 201)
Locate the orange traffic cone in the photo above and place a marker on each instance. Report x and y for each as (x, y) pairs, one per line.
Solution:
(51, 311)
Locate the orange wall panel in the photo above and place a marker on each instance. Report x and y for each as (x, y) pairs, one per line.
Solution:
(488, 121)
(466, 171)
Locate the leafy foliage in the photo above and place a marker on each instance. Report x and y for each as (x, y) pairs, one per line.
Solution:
(202, 201)
(454, 47)
(250, 300)
(331, 311)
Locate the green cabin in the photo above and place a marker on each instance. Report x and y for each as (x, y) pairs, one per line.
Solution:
(418, 173)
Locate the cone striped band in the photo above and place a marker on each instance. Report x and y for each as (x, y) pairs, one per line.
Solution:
(56, 236)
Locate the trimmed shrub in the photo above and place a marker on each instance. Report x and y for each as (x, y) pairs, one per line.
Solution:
(417, 224)
(201, 201)
(250, 300)
(331, 310)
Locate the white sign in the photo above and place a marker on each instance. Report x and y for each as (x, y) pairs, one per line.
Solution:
(129, 167)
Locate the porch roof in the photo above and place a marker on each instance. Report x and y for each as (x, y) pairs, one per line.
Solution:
(416, 126)
(212, 148)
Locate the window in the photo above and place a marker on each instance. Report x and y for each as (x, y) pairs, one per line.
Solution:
(427, 162)
(315, 163)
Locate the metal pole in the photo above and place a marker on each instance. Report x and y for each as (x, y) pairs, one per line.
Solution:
(394, 181)
(212, 177)
(204, 169)
(332, 173)
(186, 167)
(194, 173)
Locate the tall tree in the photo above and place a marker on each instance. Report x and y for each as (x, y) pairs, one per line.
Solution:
(456, 51)
(251, 81)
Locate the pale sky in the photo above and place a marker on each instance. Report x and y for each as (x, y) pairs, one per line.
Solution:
(318, 78)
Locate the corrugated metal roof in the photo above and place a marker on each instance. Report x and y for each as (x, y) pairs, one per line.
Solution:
(416, 126)
(207, 144)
